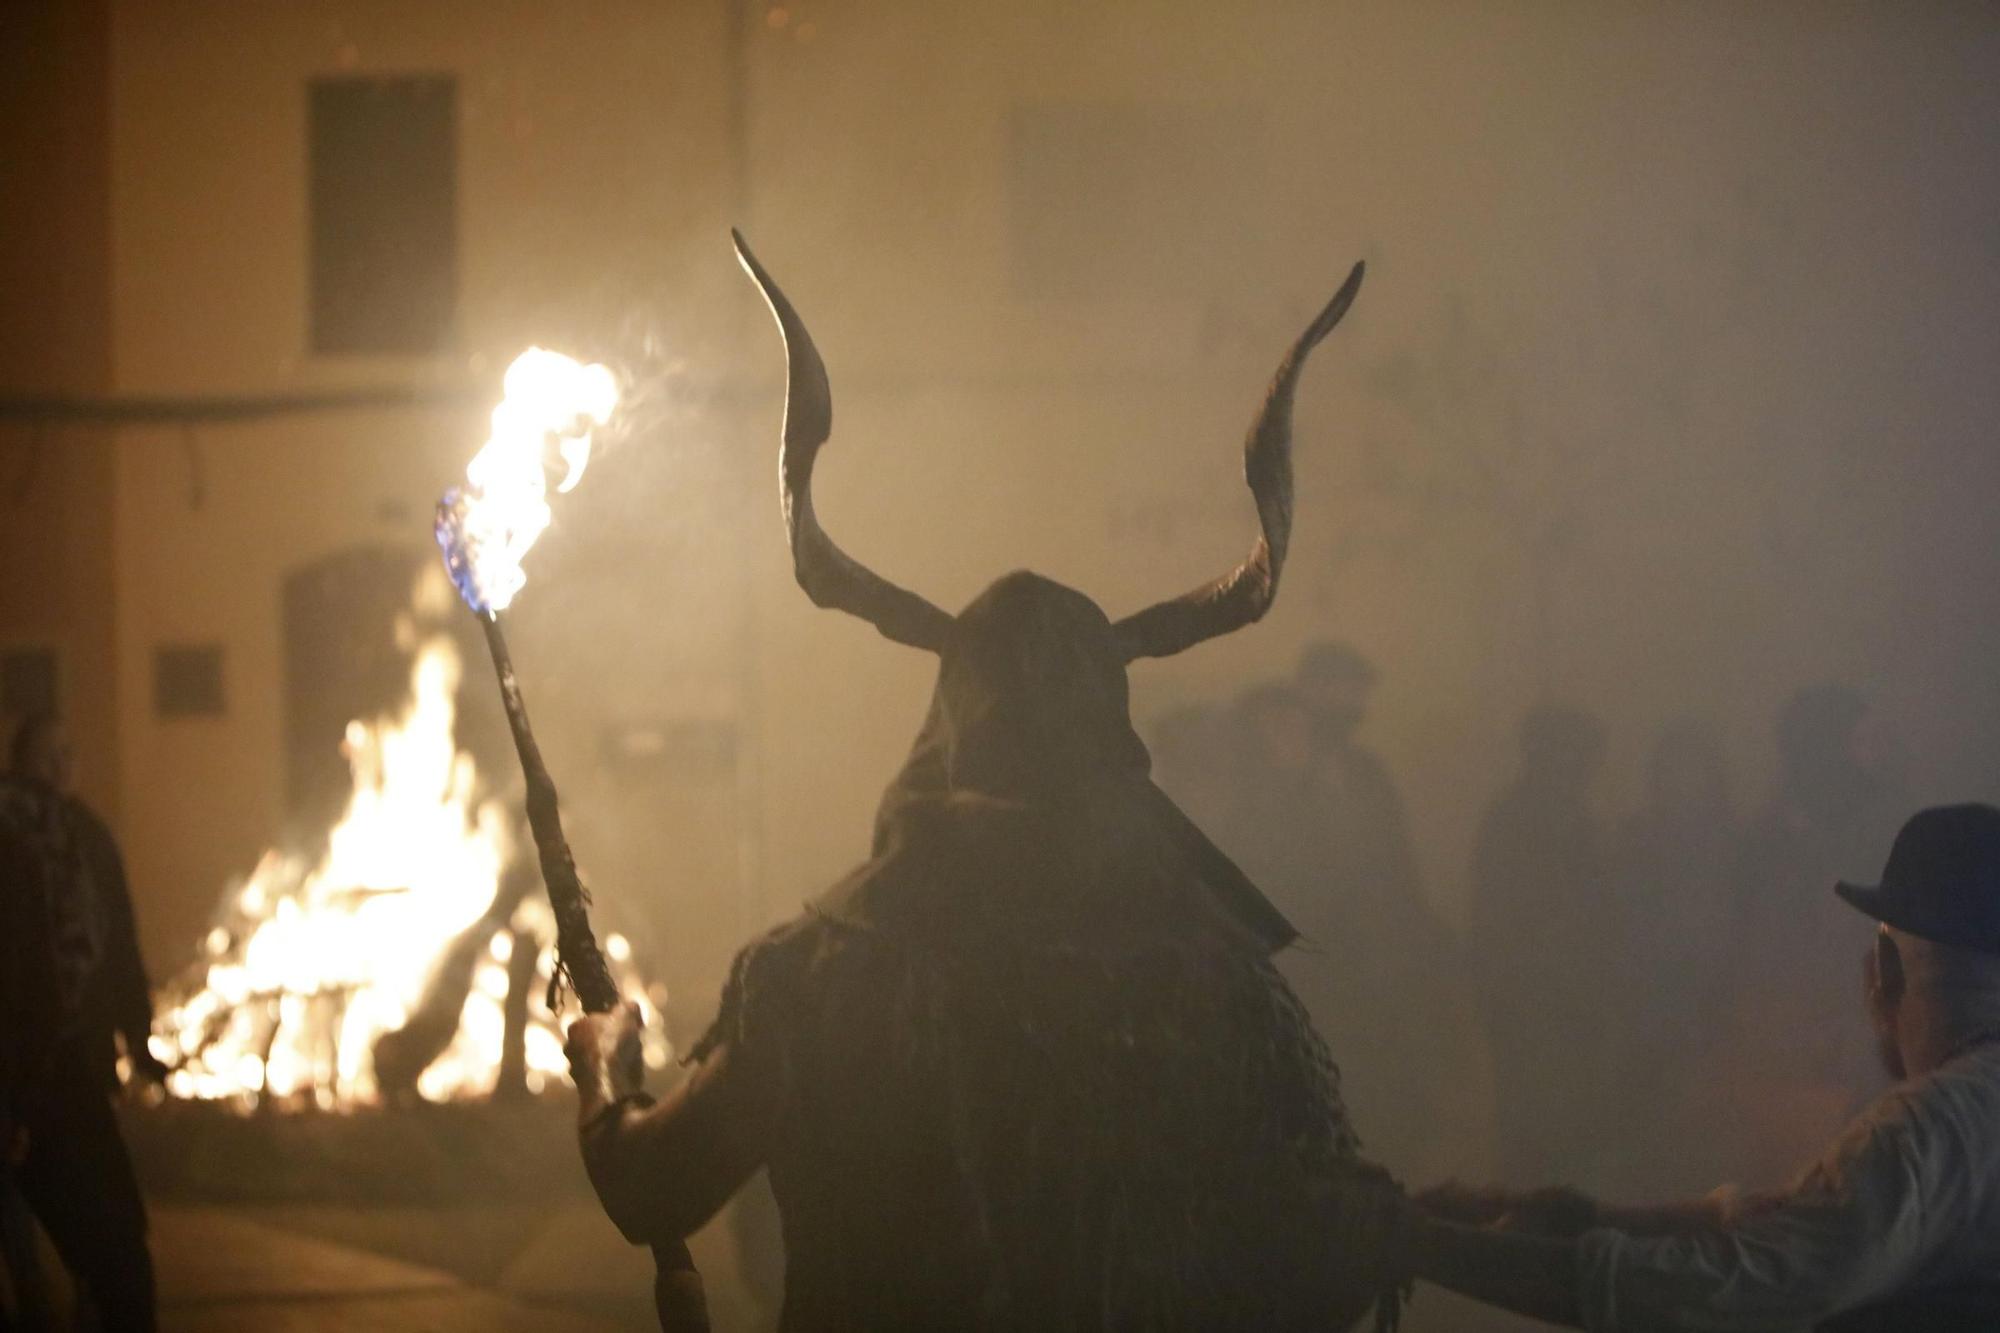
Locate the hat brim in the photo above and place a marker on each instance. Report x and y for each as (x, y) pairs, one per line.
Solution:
(1877, 901)
(1864, 898)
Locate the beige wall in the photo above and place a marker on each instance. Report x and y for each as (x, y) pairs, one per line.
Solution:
(58, 589)
(56, 586)
(589, 155)
(210, 521)
(1668, 391)
(1677, 328)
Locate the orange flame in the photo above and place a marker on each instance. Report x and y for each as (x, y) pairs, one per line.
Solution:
(309, 966)
(552, 406)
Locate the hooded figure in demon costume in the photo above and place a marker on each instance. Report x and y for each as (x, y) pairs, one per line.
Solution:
(1031, 1065)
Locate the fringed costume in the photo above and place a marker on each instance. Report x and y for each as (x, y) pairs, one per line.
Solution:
(1030, 1066)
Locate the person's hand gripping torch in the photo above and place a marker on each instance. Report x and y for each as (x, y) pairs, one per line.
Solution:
(543, 427)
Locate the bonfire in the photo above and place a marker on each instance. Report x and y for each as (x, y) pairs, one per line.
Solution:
(409, 958)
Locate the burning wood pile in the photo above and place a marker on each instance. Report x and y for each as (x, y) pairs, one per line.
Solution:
(407, 960)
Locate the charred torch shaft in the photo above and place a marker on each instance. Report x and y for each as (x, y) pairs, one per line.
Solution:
(577, 954)
(677, 1289)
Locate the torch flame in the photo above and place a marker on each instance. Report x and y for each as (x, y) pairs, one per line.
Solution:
(551, 406)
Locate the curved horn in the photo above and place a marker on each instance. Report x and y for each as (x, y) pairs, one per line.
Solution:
(828, 574)
(1243, 595)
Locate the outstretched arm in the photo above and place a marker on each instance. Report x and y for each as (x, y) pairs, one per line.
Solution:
(662, 1169)
(1562, 1213)
(1708, 1212)
(1853, 1230)
(1518, 1249)
(1529, 1275)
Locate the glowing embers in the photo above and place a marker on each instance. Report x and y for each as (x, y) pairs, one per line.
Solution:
(389, 966)
(542, 428)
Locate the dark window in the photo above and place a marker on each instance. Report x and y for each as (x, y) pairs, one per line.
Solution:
(187, 681)
(384, 194)
(343, 661)
(28, 682)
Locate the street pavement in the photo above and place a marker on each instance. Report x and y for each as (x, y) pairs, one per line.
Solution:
(331, 1269)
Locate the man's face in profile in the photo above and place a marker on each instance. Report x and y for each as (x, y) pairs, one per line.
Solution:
(1883, 987)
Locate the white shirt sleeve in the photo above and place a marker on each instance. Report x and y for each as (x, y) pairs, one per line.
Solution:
(1850, 1230)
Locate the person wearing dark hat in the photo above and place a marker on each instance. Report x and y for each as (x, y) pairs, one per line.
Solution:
(1895, 1229)
(1031, 1065)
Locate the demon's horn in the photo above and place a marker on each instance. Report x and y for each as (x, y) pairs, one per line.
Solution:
(828, 574)
(1243, 595)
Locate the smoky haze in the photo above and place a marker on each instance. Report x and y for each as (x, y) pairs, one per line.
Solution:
(1667, 394)
(1670, 393)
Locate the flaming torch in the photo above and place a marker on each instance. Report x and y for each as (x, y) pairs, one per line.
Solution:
(552, 405)
(542, 429)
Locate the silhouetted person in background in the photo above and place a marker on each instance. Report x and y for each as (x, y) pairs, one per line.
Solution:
(66, 1158)
(1672, 864)
(1380, 972)
(1895, 1228)
(1545, 940)
(120, 1008)
(1374, 866)
(1830, 810)
(1195, 758)
(1274, 825)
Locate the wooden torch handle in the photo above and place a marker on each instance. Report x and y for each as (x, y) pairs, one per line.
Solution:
(577, 954)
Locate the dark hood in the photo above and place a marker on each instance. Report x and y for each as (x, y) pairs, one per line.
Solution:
(1027, 807)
